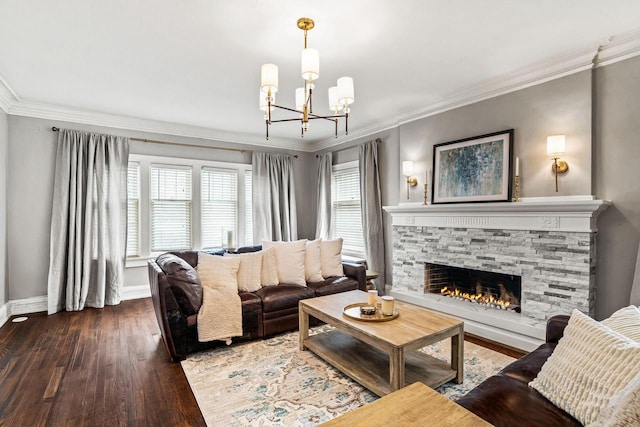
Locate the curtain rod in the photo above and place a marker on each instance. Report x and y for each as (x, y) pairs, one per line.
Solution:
(155, 141)
(348, 148)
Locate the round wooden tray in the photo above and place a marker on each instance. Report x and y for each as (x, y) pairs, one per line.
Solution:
(353, 311)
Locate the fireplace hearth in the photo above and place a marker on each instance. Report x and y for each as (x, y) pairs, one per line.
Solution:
(485, 288)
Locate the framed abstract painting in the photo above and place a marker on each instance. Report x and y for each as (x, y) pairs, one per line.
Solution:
(476, 169)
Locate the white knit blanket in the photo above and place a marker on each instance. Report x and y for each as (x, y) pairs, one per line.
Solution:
(220, 316)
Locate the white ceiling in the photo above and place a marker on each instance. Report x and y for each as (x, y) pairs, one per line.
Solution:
(198, 62)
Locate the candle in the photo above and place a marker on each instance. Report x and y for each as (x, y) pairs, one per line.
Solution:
(428, 180)
(387, 305)
(229, 238)
(517, 166)
(373, 294)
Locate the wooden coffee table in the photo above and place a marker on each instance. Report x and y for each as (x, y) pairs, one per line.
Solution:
(414, 405)
(382, 356)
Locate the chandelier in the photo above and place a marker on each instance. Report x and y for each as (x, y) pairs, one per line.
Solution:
(340, 96)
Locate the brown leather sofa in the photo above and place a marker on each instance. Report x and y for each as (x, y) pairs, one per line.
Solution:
(176, 293)
(505, 399)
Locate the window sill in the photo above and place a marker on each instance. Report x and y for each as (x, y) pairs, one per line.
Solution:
(136, 262)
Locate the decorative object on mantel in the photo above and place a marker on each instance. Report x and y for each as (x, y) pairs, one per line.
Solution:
(516, 182)
(476, 169)
(555, 147)
(426, 187)
(407, 170)
(340, 96)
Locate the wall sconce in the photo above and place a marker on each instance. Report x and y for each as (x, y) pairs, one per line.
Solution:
(555, 147)
(407, 170)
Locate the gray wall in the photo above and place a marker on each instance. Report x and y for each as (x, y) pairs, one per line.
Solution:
(31, 158)
(561, 106)
(616, 153)
(4, 142)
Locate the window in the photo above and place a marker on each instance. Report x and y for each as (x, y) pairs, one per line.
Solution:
(133, 209)
(170, 207)
(178, 204)
(346, 219)
(219, 207)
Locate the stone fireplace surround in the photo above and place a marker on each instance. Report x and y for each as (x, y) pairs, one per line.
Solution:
(550, 242)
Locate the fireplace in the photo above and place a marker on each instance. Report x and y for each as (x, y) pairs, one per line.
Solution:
(485, 288)
(546, 246)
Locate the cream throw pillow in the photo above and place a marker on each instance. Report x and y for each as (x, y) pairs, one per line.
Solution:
(623, 409)
(590, 365)
(331, 258)
(269, 273)
(249, 274)
(218, 272)
(312, 264)
(625, 321)
(290, 258)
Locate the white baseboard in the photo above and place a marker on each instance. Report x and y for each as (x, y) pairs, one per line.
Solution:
(136, 292)
(4, 314)
(38, 304)
(28, 305)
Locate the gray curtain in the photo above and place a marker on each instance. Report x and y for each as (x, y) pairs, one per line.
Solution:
(323, 221)
(88, 221)
(274, 199)
(371, 207)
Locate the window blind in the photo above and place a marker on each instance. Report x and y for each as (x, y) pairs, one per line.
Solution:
(133, 209)
(248, 210)
(219, 207)
(346, 219)
(170, 207)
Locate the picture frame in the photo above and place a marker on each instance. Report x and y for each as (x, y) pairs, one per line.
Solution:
(476, 169)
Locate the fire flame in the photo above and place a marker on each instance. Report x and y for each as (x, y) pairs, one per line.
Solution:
(477, 298)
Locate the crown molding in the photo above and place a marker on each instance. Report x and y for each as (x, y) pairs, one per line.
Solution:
(7, 96)
(618, 48)
(552, 69)
(74, 115)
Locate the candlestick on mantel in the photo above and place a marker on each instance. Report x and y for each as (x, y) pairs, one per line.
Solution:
(517, 166)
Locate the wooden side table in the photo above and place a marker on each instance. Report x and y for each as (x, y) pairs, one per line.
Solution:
(371, 275)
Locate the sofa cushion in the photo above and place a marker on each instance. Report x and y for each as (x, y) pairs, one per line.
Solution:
(249, 274)
(623, 409)
(527, 368)
(280, 297)
(333, 285)
(184, 282)
(290, 257)
(218, 272)
(269, 272)
(625, 321)
(312, 264)
(506, 402)
(331, 258)
(590, 364)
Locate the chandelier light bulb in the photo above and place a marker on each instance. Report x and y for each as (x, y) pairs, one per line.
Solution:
(334, 104)
(310, 64)
(345, 91)
(269, 78)
(264, 103)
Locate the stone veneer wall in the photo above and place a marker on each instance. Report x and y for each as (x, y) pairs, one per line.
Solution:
(557, 268)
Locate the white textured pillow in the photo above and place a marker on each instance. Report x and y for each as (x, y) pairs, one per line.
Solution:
(590, 364)
(312, 264)
(249, 274)
(289, 261)
(331, 258)
(623, 409)
(269, 273)
(625, 321)
(218, 272)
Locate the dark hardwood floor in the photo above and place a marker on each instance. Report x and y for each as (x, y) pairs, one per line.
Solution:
(103, 367)
(92, 368)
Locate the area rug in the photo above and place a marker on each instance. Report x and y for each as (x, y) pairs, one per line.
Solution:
(272, 383)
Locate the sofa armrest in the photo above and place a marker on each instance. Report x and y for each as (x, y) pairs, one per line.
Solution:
(357, 272)
(555, 328)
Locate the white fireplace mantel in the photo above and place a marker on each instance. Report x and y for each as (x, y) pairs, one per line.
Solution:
(577, 214)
